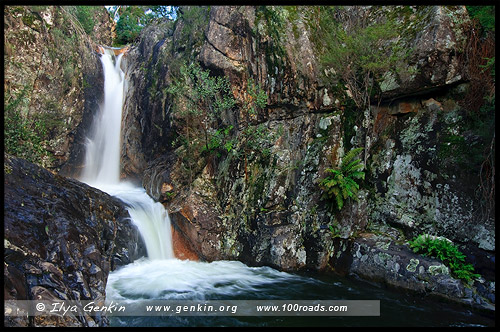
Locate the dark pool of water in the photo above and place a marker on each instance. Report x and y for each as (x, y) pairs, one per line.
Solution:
(235, 281)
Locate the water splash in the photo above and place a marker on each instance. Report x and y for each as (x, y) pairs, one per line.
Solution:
(184, 279)
(149, 216)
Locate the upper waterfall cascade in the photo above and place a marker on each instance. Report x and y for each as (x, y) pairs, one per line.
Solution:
(102, 163)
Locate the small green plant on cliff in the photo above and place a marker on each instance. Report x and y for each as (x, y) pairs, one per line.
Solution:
(199, 98)
(220, 140)
(445, 251)
(203, 98)
(194, 20)
(342, 183)
(86, 16)
(484, 14)
(361, 51)
(24, 137)
(255, 99)
(334, 230)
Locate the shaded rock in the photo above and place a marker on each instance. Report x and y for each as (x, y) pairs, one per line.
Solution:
(61, 240)
(145, 124)
(196, 218)
(436, 37)
(160, 179)
(182, 249)
(390, 262)
(254, 196)
(421, 183)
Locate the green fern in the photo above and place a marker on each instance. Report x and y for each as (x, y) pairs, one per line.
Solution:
(447, 253)
(341, 184)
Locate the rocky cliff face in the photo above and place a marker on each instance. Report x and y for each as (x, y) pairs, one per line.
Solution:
(259, 200)
(61, 240)
(54, 76)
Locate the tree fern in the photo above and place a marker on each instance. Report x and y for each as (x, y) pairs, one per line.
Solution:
(341, 184)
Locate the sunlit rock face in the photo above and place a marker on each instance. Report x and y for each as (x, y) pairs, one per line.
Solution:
(50, 56)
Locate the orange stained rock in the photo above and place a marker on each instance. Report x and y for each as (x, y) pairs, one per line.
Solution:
(121, 50)
(182, 248)
(100, 49)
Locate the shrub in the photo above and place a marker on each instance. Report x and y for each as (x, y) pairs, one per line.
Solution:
(362, 53)
(198, 99)
(484, 14)
(445, 251)
(85, 15)
(24, 136)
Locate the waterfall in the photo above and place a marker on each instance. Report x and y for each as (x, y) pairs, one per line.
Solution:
(102, 159)
(102, 164)
(159, 276)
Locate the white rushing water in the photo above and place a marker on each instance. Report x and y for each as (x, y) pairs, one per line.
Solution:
(184, 279)
(160, 275)
(102, 164)
(102, 159)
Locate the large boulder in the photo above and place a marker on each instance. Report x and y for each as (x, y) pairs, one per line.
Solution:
(61, 239)
(385, 259)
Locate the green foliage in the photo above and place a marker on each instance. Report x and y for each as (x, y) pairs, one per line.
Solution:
(198, 99)
(463, 145)
(485, 15)
(256, 138)
(341, 184)
(445, 251)
(169, 12)
(334, 230)
(131, 22)
(256, 98)
(220, 140)
(272, 20)
(206, 96)
(85, 15)
(361, 54)
(194, 20)
(270, 25)
(489, 66)
(23, 135)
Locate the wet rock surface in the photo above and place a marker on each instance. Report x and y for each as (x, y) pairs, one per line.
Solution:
(61, 239)
(388, 260)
